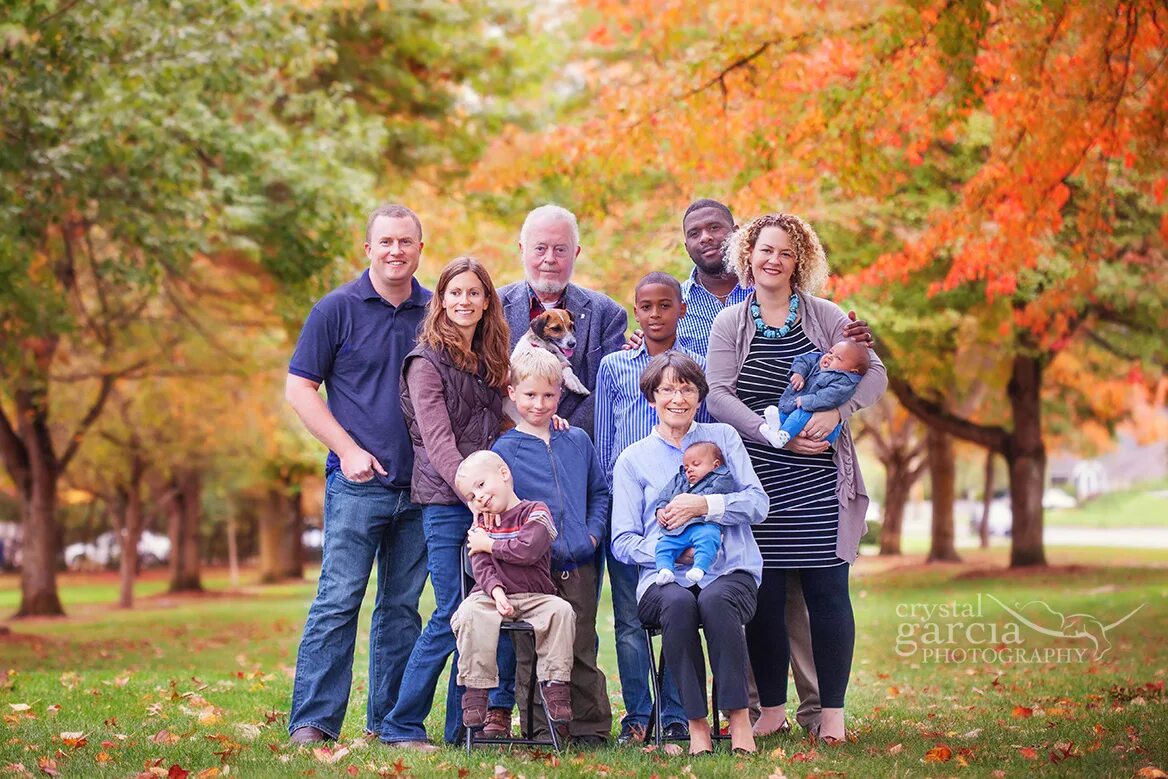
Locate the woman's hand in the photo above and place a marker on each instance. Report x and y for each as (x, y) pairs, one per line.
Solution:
(682, 509)
(821, 424)
(478, 542)
(559, 423)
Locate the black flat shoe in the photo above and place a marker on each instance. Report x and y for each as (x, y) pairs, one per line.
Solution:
(743, 751)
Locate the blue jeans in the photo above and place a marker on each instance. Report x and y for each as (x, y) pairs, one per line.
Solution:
(795, 421)
(362, 522)
(632, 656)
(445, 528)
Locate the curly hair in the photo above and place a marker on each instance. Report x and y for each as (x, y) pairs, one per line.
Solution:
(810, 260)
(492, 337)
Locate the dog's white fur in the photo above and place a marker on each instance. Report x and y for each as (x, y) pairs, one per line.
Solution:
(530, 341)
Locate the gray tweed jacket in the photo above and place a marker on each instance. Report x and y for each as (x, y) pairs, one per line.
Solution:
(600, 329)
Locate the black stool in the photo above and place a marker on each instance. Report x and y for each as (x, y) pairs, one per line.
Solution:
(657, 674)
(514, 628)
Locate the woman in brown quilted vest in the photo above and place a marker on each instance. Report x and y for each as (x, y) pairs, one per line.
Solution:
(452, 399)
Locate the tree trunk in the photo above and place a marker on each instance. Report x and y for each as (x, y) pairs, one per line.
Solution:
(897, 486)
(942, 475)
(185, 516)
(987, 500)
(1026, 457)
(281, 525)
(232, 554)
(130, 535)
(38, 571)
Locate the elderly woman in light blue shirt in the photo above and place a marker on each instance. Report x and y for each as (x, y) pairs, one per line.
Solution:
(724, 599)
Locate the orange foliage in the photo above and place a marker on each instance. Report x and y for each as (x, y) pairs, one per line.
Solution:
(760, 103)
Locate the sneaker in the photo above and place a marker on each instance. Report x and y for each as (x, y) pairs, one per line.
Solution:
(632, 733)
(498, 723)
(676, 731)
(474, 707)
(557, 697)
(589, 742)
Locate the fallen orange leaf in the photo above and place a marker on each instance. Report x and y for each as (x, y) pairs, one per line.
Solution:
(939, 754)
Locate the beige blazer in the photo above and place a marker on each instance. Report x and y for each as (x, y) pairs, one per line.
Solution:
(823, 322)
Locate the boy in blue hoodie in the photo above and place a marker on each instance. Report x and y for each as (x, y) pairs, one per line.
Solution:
(559, 468)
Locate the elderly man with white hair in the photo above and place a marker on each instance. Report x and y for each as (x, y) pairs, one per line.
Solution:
(549, 244)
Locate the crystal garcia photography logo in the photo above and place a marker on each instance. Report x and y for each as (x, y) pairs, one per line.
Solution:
(989, 630)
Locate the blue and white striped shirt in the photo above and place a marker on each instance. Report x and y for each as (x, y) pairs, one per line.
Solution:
(623, 416)
(693, 330)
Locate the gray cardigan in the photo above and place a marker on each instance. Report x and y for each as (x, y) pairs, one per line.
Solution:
(600, 329)
(823, 322)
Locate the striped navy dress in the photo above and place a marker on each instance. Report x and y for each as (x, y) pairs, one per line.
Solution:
(800, 530)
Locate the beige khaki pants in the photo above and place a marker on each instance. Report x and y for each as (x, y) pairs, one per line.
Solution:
(476, 633)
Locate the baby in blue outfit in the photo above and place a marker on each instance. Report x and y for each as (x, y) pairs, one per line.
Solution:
(703, 472)
(819, 381)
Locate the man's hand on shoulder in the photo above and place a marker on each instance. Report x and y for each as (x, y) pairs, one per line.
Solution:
(858, 330)
(635, 339)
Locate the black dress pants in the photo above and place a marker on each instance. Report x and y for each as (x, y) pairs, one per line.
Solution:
(721, 609)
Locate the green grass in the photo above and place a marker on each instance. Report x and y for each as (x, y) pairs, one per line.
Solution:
(1137, 507)
(212, 674)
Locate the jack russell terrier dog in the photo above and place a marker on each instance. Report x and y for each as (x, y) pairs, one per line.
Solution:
(554, 330)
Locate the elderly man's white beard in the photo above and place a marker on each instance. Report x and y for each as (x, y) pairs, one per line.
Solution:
(547, 286)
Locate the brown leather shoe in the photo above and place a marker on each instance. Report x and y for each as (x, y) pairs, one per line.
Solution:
(498, 723)
(557, 696)
(308, 735)
(474, 707)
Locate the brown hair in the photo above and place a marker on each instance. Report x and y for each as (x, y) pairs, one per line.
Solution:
(810, 260)
(491, 337)
(682, 366)
(393, 211)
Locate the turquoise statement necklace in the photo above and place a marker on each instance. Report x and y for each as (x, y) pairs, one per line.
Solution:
(770, 332)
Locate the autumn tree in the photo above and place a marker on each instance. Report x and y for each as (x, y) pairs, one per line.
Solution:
(126, 154)
(899, 443)
(1050, 230)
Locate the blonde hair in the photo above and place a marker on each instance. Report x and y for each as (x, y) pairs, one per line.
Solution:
(810, 260)
(483, 458)
(536, 364)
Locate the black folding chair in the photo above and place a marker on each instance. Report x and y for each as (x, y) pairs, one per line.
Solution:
(657, 675)
(515, 628)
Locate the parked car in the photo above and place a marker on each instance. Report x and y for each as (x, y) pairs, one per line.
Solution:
(104, 551)
(1001, 518)
(1054, 498)
(312, 541)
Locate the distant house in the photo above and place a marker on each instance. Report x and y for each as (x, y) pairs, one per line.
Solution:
(1130, 463)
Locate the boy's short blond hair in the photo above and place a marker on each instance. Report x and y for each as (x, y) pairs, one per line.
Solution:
(536, 364)
(484, 458)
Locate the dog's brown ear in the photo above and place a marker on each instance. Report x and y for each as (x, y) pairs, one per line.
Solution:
(538, 325)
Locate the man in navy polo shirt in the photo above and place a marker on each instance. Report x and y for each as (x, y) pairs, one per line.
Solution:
(353, 342)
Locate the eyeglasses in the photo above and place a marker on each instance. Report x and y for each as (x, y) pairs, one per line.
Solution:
(685, 391)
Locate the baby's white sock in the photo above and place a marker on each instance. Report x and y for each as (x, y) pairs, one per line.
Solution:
(695, 575)
(664, 576)
(783, 438)
(771, 415)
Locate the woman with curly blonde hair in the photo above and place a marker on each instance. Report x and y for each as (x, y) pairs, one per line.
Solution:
(817, 495)
(452, 400)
